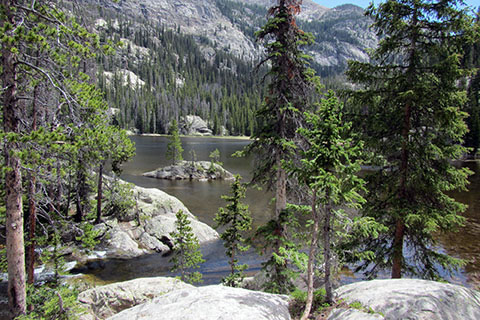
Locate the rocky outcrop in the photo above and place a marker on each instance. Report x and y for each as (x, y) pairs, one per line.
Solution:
(168, 298)
(409, 299)
(144, 229)
(153, 219)
(194, 125)
(191, 170)
(105, 301)
(211, 302)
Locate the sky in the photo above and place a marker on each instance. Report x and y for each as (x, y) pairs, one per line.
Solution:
(365, 3)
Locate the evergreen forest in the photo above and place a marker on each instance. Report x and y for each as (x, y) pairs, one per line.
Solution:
(358, 155)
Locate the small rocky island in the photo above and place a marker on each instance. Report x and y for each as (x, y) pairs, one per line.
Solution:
(191, 170)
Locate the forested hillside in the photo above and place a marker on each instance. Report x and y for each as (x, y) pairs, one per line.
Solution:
(168, 68)
(159, 74)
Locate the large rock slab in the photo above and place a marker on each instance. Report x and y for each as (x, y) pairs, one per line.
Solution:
(194, 125)
(147, 228)
(412, 299)
(191, 170)
(210, 303)
(105, 301)
(353, 314)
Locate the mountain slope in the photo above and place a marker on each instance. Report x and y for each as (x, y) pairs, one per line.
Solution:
(342, 33)
(198, 57)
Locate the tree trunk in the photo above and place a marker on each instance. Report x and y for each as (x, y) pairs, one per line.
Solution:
(280, 195)
(99, 193)
(82, 193)
(311, 258)
(397, 260)
(327, 253)
(280, 232)
(32, 223)
(13, 177)
(32, 204)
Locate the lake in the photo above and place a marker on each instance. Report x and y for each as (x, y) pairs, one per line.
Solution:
(204, 198)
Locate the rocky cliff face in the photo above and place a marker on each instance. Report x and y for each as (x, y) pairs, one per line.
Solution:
(342, 33)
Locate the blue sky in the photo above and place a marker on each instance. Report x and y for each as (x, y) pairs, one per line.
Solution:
(365, 3)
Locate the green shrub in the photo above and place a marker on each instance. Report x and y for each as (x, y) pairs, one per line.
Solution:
(52, 303)
(299, 299)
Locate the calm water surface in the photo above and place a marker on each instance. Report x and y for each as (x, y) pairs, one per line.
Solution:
(203, 200)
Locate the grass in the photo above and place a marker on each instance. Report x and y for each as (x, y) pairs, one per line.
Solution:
(321, 309)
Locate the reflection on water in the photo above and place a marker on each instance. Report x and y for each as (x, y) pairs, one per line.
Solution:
(464, 243)
(203, 200)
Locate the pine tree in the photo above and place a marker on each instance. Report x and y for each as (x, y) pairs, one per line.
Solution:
(413, 123)
(291, 86)
(328, 168)
(174, 147)
(186, 250)
(471, 59)
(50, 110)
(236, 219)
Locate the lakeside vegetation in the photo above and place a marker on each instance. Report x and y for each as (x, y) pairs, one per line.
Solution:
(405, 117)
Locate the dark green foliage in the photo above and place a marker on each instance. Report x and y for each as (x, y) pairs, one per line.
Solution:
(281, 268)
(214, 160)
(471, 59)
(221, 90)
(52, 303)
(291, 89)
(328, 168)
(236, 220)
(299, 298)
(186, 250)
(56, 130)
(409, 110)
(119, 199)
(174, 147)
(88, 237)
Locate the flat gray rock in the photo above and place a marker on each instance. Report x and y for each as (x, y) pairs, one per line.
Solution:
(105, 301)
(413, 299)
(353, 314)
(211, 303)
(191, 170)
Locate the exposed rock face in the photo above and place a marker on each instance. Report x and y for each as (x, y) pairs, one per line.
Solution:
(342, 32)
(310, 9)
(193, 170)
(147, 228)
(195, 17)
(411, 299)
(194, 125)
(347, 38)
(211, 302)
(105, 301)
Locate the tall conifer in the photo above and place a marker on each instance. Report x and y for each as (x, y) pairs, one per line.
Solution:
(290, 87)
(412, 121)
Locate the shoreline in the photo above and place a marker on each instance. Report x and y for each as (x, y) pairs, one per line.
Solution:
(129, 133)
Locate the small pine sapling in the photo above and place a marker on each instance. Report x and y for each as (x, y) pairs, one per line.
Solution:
(236, 219)
(328, 168)
(186, 250)
(214, 159)
(174, 147)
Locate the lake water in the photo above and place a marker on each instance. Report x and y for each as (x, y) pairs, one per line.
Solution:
(204, 198)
